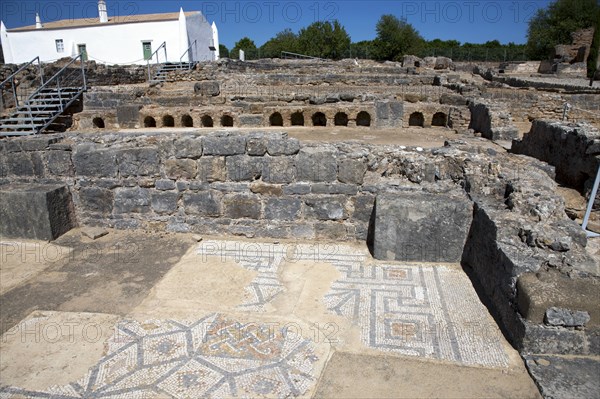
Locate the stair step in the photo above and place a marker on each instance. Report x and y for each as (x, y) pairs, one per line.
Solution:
(18, 133)
(29, 126)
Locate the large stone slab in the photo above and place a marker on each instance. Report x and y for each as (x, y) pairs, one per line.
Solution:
(42, 212)
(422, 227)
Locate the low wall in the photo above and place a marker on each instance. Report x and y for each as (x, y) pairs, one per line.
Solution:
(573, 148)
(268, 185)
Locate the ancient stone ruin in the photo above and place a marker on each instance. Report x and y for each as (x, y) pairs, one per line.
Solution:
(425, 161)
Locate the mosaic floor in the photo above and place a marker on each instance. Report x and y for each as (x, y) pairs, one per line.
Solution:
(211, 357)
(424, 311)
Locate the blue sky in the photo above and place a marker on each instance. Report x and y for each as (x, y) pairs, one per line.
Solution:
(475, 21)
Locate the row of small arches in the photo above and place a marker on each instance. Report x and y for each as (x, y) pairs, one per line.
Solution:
(363, 118)
(438, 119)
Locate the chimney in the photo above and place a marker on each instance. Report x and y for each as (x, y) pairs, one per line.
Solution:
(38, 21)
(102, 11)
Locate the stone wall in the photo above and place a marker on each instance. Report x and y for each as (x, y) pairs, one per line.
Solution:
(224, 183)
(268, 185)
(492, 121)
(573, 148)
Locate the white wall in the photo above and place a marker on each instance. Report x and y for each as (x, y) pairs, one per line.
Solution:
(200, 30)
(112, 44)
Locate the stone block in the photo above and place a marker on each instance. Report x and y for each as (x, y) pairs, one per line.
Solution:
(334, 188)
(244, 167)
(20, 164)
(565, 317)
(224, 145)
(282, 208)
(266, 189)
(95, 162)
(164, 202)
(59, 163)
(181, 168)
(279, 170)
(421, 227)
(132, 200)
(539, 292)
(165, 184)
(283, 146)
(352, 171)
(128, 116)
(256, 144)
(206, 203)
(297, 189)
(242, 206)
(250, 120)
(32, 211)
(326, 208)
(389, 113)
(37, 143)
(211, 169)
(363, 207)
(188, 147)
(317, 164)
(96, 199)
(138, 162)
(208, 88)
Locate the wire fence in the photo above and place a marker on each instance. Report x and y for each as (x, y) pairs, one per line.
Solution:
(463, 54)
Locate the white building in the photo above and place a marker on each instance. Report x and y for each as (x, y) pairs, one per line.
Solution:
(118, 40)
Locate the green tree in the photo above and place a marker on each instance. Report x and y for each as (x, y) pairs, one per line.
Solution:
(285, 40)
(396, 38)
(553, 25)
(223, 51)
(363, 49)
(243, 44)
(324, 39)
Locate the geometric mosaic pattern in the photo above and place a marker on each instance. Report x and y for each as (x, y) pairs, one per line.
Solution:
(211, 357)
(425, 311)
(263, 258)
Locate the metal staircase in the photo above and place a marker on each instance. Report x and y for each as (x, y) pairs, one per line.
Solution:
(163, 69)
(45, 105)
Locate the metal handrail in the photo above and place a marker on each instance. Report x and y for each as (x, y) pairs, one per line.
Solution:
(11, 78)
(57, 75)
(187, 51)
(163, 46)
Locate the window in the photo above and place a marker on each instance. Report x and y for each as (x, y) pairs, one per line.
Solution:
(60, 46)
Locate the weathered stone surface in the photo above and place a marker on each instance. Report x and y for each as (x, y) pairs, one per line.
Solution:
(20, 164)
(256, 144)
(453, 99)
(59, 162)
(282, 209)
(41, 212)
(249, 120)
(492, 121)
(224, 145)
(334, 188)
(352, 171)
(443, 63)
(165, 184)
(128, 116)
(363, 207)
(318, 164)
(138, 162)
(96, 199)
(283, 146)
(297, 189)
(561, 377)
(164, 202)
(326, 208)
(389, 113)
(538, 293)
(208, 88)
(188, 147)
(279, 170)
(132, 200)
(95, 162)
(565, 317)
(244, 167)
(181, 168)
(266, 189)
(93, 232)
(563, 145)
(239, 206)
(207, 203)
(37, 143)
(211, 169)
(424, 227)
